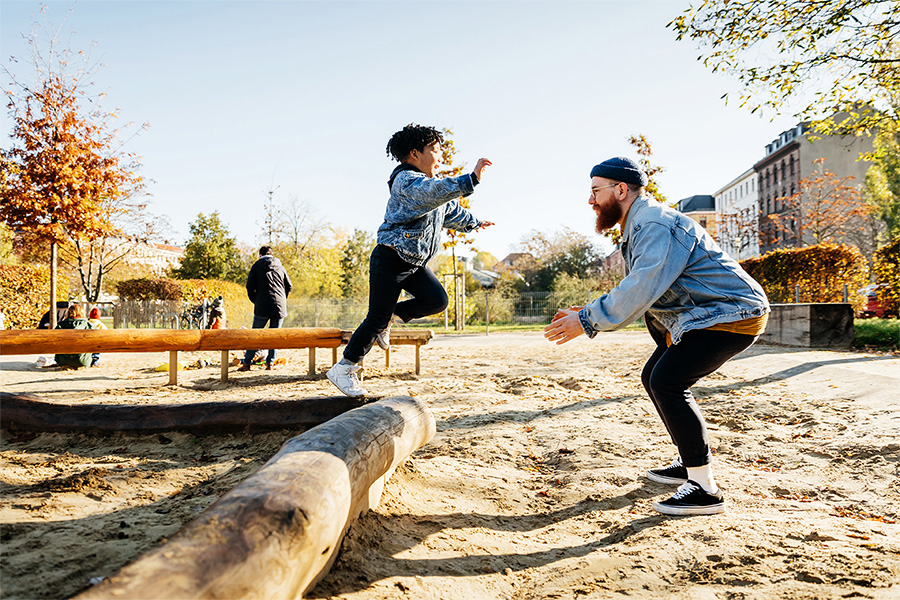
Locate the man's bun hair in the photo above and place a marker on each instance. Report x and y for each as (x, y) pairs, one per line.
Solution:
(412, 137)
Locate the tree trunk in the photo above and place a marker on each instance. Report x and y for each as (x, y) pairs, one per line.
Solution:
(278, 532)
(53, 285)
(28, 412)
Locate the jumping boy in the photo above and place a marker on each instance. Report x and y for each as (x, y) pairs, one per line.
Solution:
(418, 208)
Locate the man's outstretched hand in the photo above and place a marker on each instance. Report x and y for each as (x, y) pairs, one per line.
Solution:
(564, 326)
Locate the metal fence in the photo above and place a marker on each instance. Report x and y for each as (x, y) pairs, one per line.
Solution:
(502, 308)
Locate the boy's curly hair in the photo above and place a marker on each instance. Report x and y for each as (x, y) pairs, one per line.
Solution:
(412, 137)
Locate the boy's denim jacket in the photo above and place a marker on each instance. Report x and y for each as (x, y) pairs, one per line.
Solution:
(677, 273)
(419, 207)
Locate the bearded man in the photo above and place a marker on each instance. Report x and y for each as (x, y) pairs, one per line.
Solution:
(700, 307)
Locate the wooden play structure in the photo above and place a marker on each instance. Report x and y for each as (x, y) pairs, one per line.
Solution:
(73, 341)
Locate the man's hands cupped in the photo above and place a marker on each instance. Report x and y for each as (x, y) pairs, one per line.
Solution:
(564, 326)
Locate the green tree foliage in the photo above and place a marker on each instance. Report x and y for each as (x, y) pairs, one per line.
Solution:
(826, 55)
(887, 272)
(882, 188)
(355, 264)
(211, 252)
(563, 252)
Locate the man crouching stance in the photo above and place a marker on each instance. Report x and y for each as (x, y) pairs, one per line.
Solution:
(700, 307)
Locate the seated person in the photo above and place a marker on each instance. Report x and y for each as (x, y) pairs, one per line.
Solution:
(94, 318)
(74, 320)
(62, 307)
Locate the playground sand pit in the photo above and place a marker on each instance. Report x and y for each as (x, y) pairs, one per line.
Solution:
(532, 487)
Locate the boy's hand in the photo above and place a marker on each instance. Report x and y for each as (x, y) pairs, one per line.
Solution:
(479, 167)
(484, 224)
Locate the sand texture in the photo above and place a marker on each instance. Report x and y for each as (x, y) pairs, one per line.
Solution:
(532, 488)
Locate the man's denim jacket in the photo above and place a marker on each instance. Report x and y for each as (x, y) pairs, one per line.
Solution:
(419, 207)
(677, 273)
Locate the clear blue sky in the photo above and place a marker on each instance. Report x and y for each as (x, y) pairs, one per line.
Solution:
(304, 96)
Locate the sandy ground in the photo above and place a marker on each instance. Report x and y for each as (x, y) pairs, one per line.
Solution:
(532, 487)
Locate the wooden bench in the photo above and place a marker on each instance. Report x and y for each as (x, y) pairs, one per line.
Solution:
(76, 341)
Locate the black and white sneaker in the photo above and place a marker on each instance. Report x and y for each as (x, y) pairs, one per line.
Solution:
(675, 473)
(691, 499)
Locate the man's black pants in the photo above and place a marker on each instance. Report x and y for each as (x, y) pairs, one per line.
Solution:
(388, 276)
(671, 371)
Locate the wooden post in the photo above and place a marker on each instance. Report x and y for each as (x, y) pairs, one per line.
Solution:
(53, 285)
(173, 367)
(312, 361)
(417, 358)
(387, 358)
(334, 357)
(487, 313)
(277, 533)
(226, 356)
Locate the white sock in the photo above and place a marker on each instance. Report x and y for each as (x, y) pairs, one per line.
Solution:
(704, 476)
(344, 361)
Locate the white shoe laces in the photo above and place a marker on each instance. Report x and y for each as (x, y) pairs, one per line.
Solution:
(685, 489)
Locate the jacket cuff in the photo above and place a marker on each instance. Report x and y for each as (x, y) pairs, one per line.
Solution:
(586, 323)
(474, 179)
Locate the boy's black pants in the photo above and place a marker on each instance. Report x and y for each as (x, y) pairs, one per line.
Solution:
(671, 371)
(388, 276)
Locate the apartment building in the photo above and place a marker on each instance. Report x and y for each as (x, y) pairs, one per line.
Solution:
(737, 208)
(791, 157)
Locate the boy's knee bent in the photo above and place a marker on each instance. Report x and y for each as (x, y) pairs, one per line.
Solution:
(437, 303)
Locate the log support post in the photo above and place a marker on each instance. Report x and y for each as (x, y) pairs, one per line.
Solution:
(277, 533)
(226, 357)
(418, 364)
(173, 367)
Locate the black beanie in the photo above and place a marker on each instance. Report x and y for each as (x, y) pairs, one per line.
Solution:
(620, 169)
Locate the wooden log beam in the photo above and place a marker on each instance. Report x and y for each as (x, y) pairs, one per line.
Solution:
(73, 341)
(76, 341)
(28, 412)
(278, 532)
(282, 338)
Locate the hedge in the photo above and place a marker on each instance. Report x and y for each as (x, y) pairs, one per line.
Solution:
(821, 271)
(25, 294)
(886, 266)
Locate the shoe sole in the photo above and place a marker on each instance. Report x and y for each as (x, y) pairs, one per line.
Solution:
(360, 395)
(663, 479)
(681, 511)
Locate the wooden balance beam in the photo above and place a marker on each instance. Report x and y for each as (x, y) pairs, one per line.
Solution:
(76, 341)
(277, 533)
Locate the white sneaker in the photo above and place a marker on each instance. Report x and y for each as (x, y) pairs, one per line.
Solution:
(383, 339)
(345, 378)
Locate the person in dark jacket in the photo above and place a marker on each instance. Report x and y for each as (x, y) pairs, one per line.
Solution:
(74, 320)
(268, 286)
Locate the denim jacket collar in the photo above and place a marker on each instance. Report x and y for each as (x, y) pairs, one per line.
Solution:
(399, 169)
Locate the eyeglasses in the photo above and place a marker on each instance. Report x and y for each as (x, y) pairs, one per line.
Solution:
(595, 190)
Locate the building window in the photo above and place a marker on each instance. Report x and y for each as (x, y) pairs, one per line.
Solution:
(703, 222)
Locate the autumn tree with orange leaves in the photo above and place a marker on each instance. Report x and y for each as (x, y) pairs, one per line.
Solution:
(65, 179)
(824, 209)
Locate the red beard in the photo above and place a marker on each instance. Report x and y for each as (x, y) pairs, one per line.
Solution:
(608, 215)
